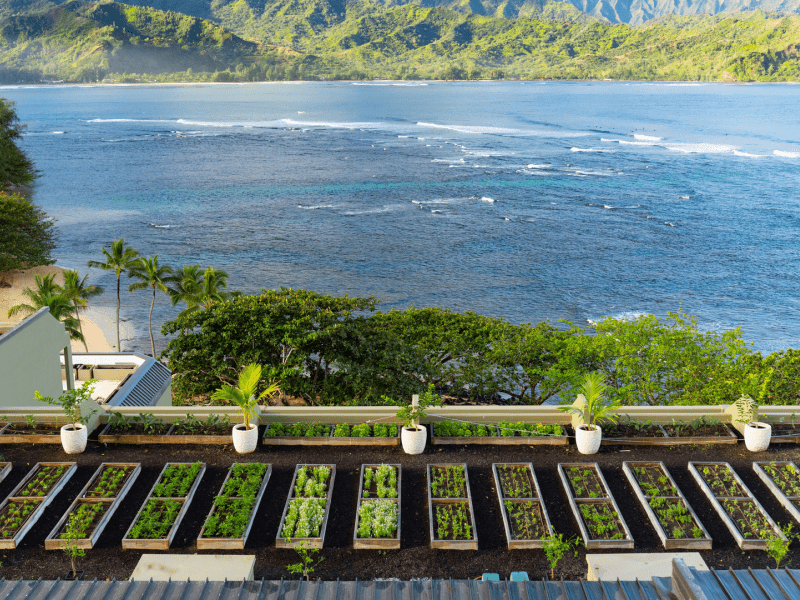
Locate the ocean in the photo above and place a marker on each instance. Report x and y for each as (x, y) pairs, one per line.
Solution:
(525, 200)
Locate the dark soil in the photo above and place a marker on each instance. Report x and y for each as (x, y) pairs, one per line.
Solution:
(415, 559)
(25, 429)
(138, 429)
(623, 429)
(687, 431)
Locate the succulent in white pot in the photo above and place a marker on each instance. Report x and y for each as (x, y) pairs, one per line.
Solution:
(75, 434)
(414, 436)
(245, 435)
(595, 409)
(757, 435)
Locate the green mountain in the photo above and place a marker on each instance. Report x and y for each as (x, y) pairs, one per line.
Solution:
(290, 39)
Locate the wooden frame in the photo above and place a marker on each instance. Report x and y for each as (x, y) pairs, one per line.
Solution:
(220, 543)
(592, 543)
(742, 542)
(499, 440)
(704, 543)
(514, 544)
(781, 496)
(668, 440)
(784, 438)
(315, 542)
(166, 542)
(643, 441)
(364, 441)
(470, 544)
(54, 542)
(30, 438)
(44, 501)
(298, 441)
(5, 469)
(378, 543)
(162, 438)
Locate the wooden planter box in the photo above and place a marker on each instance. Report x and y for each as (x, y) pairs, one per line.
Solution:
(44, 501)
(517, 543)
(5, 469)
(499, 440)
(790, 502)
(330, 440)
(790, 434)
(297, 441)
(54, 542)
(164, 438)
(378, 543)
(314, 542)
(220, 543)
(743, 542)
(470, 544)
(667, 440)
(575, 503)
(703, 543)
(365, 441)
(163, 543)
(8, 435)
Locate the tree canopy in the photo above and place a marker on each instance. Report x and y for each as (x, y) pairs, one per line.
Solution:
(27, 237)
(16, 169)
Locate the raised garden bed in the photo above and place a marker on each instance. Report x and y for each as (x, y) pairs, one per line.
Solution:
(699, 431)
(146, 429)
(450, 512)
(743, 515)
(524, 516)
(634, 433)
(783, 480)
(96, 504)
(673, 519)
(231, 518)
(594, 508)
(504, 433)
(24, 433)
(26, 502)
(164, 508)
(378, 511)
(784, 433)
(341, 434)
(305, 514)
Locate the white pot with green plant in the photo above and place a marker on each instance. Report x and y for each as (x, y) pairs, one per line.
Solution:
(414, 436)
(245, 435)
(75, 434)
(757, 435)
(594, 408)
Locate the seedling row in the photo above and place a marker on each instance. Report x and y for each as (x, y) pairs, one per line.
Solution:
(450, 512)
(525, 518)
(378, 512)
(305, 514)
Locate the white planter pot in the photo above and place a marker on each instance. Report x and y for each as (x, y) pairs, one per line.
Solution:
(245, 440)
(588, 441)
(74, 440)
(414, 439)
(757, 436)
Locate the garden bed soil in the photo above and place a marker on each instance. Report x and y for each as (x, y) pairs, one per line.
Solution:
(25, 429)
(137, 435)
(415, 559)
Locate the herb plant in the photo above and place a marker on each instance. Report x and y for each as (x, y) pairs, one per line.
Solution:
(176, 480)
(377, 519)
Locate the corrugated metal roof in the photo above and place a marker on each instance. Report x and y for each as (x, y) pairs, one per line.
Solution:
(148, 387)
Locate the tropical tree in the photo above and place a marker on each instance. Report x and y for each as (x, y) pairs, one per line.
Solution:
(49, 294)
(150, 274)
(76, 290)
(185, 286)
(119, 260)
(211, 289)
(16, 170)
(244, 396)
(27, 235)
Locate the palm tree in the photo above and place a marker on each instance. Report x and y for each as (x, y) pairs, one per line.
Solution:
(214, 281)
(59, 305)
(119, 260)
(244, 396)
(186, 286)
(150, 274)
(76, 290)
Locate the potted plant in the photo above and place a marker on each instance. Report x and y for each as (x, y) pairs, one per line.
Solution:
(757, 435)
(413, 435)
(75, 434)
(596, 408)
(245, 435)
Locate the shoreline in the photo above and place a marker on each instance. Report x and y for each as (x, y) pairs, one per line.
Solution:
(98, 323)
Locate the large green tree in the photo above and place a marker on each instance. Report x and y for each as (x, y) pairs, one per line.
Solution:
(27, 235)
(48, 293)
(119, 259)
(16, 169)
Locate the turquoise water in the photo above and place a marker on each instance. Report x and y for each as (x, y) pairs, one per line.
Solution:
(525, 200)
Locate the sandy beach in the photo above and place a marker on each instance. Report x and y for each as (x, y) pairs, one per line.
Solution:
(98, 324)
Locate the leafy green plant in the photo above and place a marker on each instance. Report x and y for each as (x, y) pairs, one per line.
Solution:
(596, 406)
(308, 561)
(746, 409)
(411, 415)
(176, 480)
(244, 396)
(777, 547)
(556, 546)
(71, 402)
(72, 534)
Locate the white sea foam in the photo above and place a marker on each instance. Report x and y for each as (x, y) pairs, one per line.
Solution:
(534, 166)
(161, 226)
(506, 219)
(415, 202)
(316, 207)
(630, 143)
(595, 173)
(487, 199)
(448, 160)
(58, 132)
(785, 154)
(748, 155)
(487, 130)
(436, 211)
(607, 206)
(624, 316)
(646, 138)
(669, 224)
(701, 148)
(684, 197)
(588, 150)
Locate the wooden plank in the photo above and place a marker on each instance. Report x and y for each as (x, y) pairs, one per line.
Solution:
(591, 543)
(233, 543)
(704, 543)
(470, 544)
(729, 438)
(790, 507)
(54, 542)
(44, 501)
(364, 441)
(742, 542)
(520, 544)
(296, 441)
(28, 438)
(315, 542)
(378, 543)
(163, 543)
